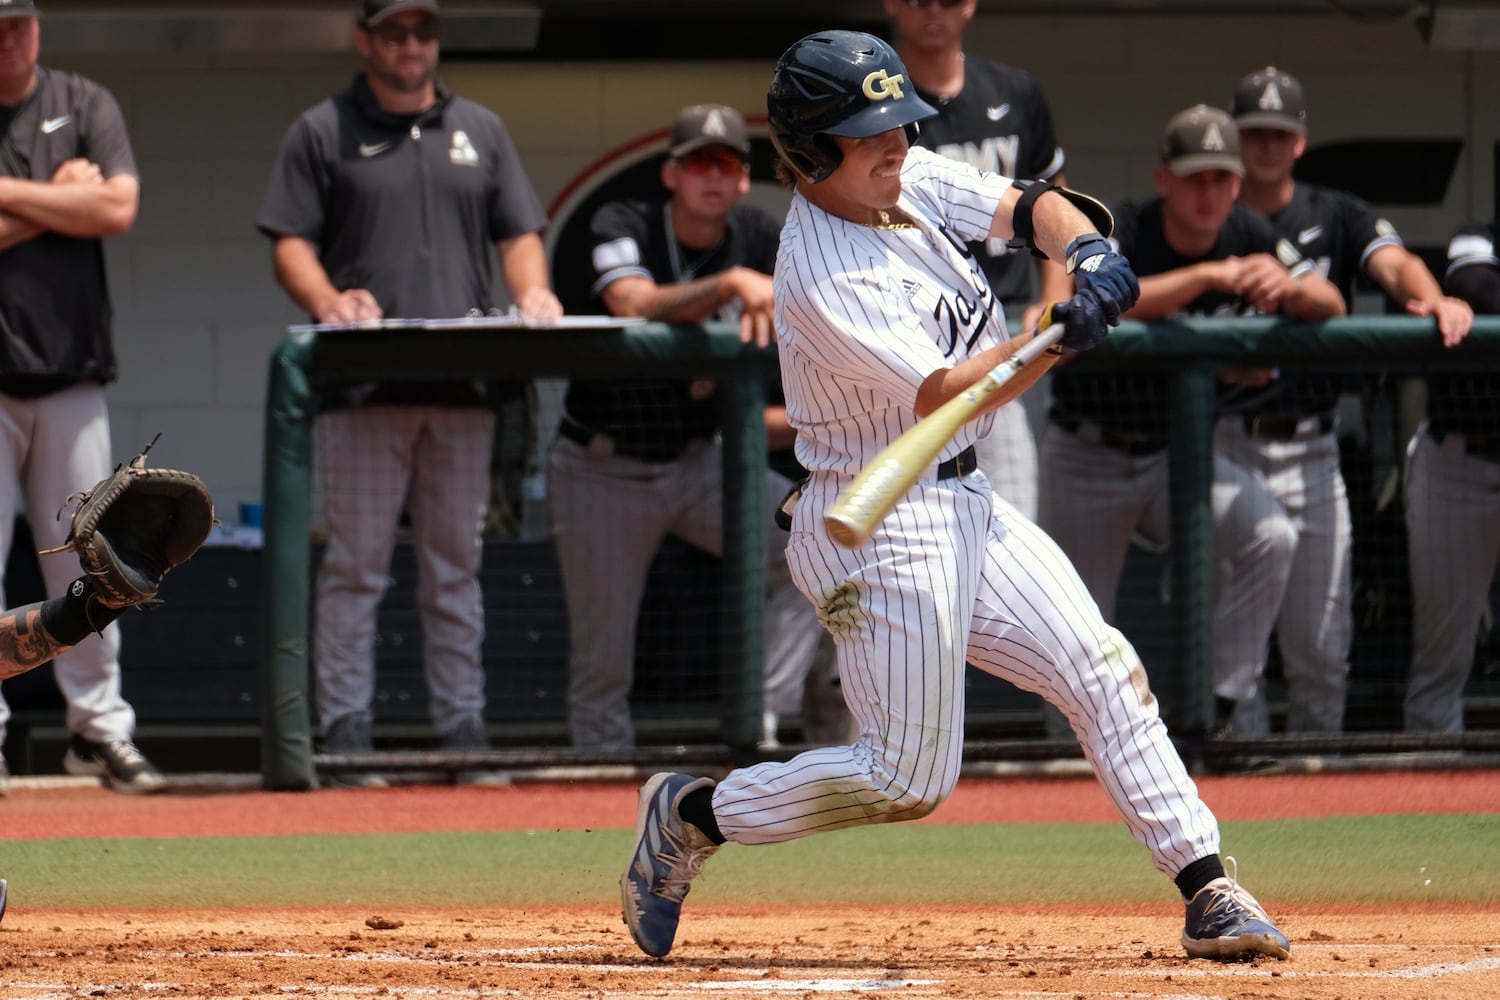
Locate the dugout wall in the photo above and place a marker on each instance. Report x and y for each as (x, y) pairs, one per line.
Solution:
(1192, 351)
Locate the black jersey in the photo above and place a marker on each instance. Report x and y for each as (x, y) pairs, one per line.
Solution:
(655, 419)
(1137, 401)
(1336, 231)
(999, 122)
(55, 313)
(1469, 403)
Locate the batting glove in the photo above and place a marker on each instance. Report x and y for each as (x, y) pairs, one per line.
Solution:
(1097, 267)
(1083, 320)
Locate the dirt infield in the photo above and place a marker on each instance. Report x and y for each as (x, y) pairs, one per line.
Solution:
(582, 952)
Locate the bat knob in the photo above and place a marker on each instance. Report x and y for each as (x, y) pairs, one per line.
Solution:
(843, 531)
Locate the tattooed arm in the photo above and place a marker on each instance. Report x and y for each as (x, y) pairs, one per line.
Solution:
(24, 643)
(34, 634)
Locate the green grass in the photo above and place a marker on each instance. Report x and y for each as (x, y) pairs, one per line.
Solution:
(1381, 859)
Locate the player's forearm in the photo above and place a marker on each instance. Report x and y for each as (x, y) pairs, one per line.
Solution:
(1057, 223)
(681, 302)
(946, 383)
(1403, 276)
(523, 261)
(83, 210)
(15, 230)
(1057, 284)
(300, 274)
(1164, 294)
(24, 643)
(1315, 299)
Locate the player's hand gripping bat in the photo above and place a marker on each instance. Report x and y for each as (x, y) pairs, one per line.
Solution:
(852, 517)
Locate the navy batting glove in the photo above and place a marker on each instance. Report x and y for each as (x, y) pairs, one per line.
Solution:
(1084, 320)
(1097, 267)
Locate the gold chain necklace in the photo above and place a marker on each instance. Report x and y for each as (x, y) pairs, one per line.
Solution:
(884, 221)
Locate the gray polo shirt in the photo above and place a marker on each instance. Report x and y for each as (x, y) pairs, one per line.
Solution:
(406, 206)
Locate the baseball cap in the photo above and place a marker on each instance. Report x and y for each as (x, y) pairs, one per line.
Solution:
(372, 12)
(1201, 138)
(18, 8)
(1269, 98)
(709, 125)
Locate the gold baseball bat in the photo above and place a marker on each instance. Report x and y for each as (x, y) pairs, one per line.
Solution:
(864, 503)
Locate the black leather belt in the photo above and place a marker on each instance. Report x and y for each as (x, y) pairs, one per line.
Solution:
(584, 436)
(1479, 445)
(959, 465)
(1284, 426)
(1134, 443)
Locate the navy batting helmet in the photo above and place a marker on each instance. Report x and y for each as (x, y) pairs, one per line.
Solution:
(845, 83)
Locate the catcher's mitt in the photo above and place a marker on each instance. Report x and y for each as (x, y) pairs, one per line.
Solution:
(133, 527)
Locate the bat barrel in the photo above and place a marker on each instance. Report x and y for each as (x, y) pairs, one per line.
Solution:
(859, 509)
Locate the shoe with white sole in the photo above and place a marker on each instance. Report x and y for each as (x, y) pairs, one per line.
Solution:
(667, 854)
(1225, 922)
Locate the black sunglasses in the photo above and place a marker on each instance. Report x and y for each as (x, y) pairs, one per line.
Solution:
(397, 34)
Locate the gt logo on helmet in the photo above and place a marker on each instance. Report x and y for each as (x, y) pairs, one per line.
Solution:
(879, 85)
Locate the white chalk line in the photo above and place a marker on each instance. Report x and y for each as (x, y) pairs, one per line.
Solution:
(1430, 971)
(852, 981)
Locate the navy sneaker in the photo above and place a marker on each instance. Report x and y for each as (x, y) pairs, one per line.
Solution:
(1224, 922)
(667, 854)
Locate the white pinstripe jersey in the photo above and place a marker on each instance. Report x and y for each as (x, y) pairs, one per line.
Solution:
(864, 315)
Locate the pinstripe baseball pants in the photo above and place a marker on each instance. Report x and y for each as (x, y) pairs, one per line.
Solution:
(945, 580)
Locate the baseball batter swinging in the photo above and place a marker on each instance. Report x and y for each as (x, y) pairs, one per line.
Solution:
(882, 315)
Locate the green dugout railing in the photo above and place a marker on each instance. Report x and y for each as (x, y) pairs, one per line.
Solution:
(308, 361)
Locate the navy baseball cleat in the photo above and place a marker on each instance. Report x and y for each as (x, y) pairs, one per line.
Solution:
(668, 852)
(1225, 922)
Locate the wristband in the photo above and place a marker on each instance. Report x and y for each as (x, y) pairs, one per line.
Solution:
(1077, 243)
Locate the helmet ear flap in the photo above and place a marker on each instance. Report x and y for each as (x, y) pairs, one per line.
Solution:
(813, 157)
(913, 129)
(831, 156)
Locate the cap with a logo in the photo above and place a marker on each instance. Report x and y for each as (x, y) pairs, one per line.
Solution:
(1201, 138)
(372, 12)
(19, 8)
(1270, 98)
(709, 125)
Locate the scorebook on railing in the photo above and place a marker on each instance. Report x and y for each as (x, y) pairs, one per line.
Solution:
(506, 321)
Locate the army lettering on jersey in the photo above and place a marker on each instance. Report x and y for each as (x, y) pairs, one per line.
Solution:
(999, 122)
